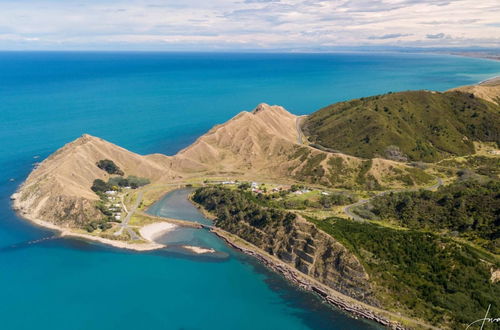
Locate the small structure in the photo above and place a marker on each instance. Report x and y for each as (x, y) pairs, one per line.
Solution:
(110, 192)
(325, 193)
(117, 217)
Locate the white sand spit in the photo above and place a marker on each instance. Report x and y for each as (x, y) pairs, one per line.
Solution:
(197, 249)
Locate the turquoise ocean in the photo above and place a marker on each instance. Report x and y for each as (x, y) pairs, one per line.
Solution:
(160, 102)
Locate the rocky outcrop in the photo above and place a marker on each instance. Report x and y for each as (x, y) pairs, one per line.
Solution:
(310, 251)
(304, 282)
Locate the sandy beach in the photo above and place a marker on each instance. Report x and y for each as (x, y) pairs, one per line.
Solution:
(66, 232)
(152, 231)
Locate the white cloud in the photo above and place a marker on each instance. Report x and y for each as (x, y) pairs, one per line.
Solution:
(240, 24)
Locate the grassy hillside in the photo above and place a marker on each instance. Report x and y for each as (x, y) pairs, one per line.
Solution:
(416, 125)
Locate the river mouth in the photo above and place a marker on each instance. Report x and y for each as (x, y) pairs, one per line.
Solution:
(187, 241)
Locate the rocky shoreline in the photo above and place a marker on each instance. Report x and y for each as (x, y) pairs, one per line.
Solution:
(306, 284)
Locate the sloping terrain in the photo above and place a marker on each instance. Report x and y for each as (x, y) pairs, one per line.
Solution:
(58, 190)
(415, 125)
(262, 144)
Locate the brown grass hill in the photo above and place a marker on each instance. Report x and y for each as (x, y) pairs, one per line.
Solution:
(58, 190)
(416, 125)
(247, 144)
(264, 143)
(258, 145)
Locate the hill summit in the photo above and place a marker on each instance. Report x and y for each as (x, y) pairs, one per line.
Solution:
(413, 125)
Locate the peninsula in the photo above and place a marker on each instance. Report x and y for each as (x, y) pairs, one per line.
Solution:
(343, 201)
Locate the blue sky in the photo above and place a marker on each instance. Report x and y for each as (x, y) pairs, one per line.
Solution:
(247, 24)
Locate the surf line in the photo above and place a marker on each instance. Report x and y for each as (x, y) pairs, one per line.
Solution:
(29, 243)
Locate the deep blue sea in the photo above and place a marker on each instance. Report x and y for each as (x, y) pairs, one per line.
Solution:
(160, 102)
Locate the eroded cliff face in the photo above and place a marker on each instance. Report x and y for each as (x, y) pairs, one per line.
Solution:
(310, 251)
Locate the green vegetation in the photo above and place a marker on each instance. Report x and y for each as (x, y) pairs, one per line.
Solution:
(98, 224)
(100, 186)
(109, 166)
(233, 206)
(421, 274)
(470, 209)
(131, 181)
(416, 125)
(312, 171)
(288, 200)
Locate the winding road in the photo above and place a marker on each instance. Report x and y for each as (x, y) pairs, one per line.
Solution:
(348, 209)
(298, 124)
(124, 224)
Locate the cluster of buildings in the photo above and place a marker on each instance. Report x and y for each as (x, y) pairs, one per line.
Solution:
(114, 207)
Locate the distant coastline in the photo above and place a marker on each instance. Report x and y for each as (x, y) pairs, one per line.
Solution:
(484, 55)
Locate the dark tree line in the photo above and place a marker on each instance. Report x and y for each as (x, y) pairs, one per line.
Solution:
(109, 166)
(236, 205)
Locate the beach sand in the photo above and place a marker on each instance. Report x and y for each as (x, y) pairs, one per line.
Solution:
(154, 230)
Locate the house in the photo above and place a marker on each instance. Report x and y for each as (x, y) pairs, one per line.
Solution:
(228, 182)
(325, 193)
(110, 192)
(117, 217)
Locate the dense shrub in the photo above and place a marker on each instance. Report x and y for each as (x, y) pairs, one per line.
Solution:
(131, 181)
(109, 166)
(470, 208)
(237, 205)
(99, 186)
(429, 276)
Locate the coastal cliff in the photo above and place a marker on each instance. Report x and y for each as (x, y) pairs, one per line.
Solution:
(311, 252)
(290, 238)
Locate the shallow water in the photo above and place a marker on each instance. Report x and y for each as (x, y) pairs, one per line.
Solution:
(157, 102)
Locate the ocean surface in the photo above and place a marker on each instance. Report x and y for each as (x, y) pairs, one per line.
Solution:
(160, 102)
